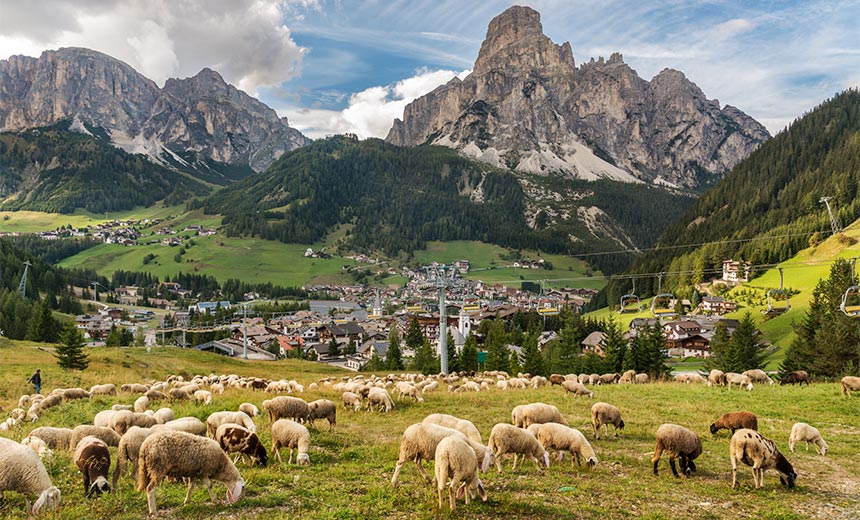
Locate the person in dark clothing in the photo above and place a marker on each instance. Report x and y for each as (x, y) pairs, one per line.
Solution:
(36, 379)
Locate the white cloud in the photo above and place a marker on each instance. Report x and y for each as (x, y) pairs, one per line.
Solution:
(372, 111)
(732, 28)
(244, 40)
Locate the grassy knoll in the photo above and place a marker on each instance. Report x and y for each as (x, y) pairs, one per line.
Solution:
(35, 221)
(351, 467)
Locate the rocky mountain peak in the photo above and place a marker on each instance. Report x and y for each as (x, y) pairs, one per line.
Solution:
(514, 32)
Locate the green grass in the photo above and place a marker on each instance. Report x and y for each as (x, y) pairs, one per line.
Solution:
(35, 221)
(351, 467)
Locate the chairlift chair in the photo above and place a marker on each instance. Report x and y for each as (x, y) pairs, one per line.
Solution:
(661, 303)
(850, 305)
(775, 295)
(630, 302)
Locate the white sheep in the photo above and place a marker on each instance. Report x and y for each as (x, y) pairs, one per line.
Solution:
(533, 413)
(191, 425)
(164, 415)
(109, 436)
(758, 376)
(216, 419)
(802, 432)
(432, 386)
(287, 433)
(741, 380)
(323, 409)
(129, 449)
(178, 454)
(456, 461)
(753, 449)
(286, 407)
(576, 388)
(107, 389)
(55, 438)
(850, 384)
(640, 379)
(508, 439)
(39, 446)
(604, 414)
(464, 426)
(419, 444)
(564, 438)
(249, 409)
(141, 404)
(22, 471)
(716, 378)
(677, 442)
(203, 396)
(92, 457)
(351, 400)
(379, 397)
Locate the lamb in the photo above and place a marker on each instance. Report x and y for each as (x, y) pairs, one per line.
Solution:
(129, 449)
(564, 438)
(758, 376)
(716, 378)
(218, 418)
(463, 426)
(141, 404)
(178, 454)
(454, 459)
(323, 409)
(738, 379)
(506, 438)
(249, 409)
(804, 432)
(110, 437)
(753, 449)
(795, 377)
(381, 398)
(108, 389)
(540, 413)
(22, 471)
(92, 457)
(191, 425)
(203, 396)
(850, 384)
(286, 407)
(290, 434)
(351, 400)
(432, 386)
(604, 414)
(419, 443)
(677, 442)
(54, 437)
(234, 438)
(735, 421)
(576, 388)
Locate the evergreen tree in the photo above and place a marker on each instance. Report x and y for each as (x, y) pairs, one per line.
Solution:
(414, 336)
(656, 352)
(719, 348)
(70, 352)
(43, 327)
(126, 338)
(615, 346)
(563, 356)
(113, 337)
(498, 356)
(333, 348)
(469, 355)
(139, 338)
(394, 357)
(748, 352)
(454, 364)
(532, 359)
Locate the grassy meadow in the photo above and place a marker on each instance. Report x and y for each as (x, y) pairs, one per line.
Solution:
(351, 467)
(35, 221)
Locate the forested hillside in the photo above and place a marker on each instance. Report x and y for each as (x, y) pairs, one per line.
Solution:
(768, 207)
(54, 169)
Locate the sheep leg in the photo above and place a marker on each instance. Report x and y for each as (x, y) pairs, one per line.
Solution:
(188, 493)
(791, 443)
(658, 452)
(87, 490)
(397, 469)
(150, 498)
(290, 460)
(734, 472)
(422, 471)
(208, 484)
(498, 462)
(516, 456)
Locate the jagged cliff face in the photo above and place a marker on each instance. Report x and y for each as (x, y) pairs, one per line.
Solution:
(203, 117)
(526, 106)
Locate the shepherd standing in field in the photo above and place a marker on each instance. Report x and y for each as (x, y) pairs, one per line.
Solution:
(36, 379)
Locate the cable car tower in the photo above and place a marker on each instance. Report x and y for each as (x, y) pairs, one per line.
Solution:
(22, 287)
(834, 224)
(774, 295)
(442, 277)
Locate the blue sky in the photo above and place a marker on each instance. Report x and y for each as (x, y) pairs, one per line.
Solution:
(335, 65)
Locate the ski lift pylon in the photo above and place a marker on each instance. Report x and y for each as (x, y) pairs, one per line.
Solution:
(774, 295)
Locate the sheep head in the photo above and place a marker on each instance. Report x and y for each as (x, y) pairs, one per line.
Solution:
(302, 459)
(234, 491)
(49, 500)
(99, 486)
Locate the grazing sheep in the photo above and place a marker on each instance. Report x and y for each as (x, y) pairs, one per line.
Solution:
(753, 449)
(134, 388)
(118, 407)
(104, 418)
(108, 389)
(203, 396)
(795, 377)
(506, 438)
(351, 400)
(217, 388)
(286, 407)
(109, 436)
(191, 425)
(92, 457)
(564, 438)
(627, 376)
(379, 397)
(128, 450)
(178, 454)
(594, 379)
(432, 386)
(716, 378)
(290, 434)
(456, 461)
(178, 394)
(141, 404)
(70, 394)
(539, 382)
(576, 388)
(804, 432)
(735, 421)
(463, 426)
(55, 438)
(677, 442)
(540, 413)
(22, 471)
(25, 401)
(218, 418)
(237, 439)
(249, 409)
(850, 384)
(758, 376)
(738, 379)
(323, 409)
(419, 444)
(604, 414)
(37, 445)
(155, 395)
(556, 379)
(608, 379)
(640, 379)
(164, 415)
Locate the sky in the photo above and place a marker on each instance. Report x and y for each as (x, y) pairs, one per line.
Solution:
(334, 66)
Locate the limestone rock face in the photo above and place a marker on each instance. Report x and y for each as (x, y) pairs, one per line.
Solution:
(202, 116)
(527, 107)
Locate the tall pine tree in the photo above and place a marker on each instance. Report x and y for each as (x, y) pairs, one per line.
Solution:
(394, 357)
(70, 352)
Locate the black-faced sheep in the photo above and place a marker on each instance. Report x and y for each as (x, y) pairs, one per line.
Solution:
(456, 461)
(22, 471)
(287, 433)
(802, 432)
(92, 457)
(286, 407)
(604, 414)
(554, 436)
(753, 449)
(322, 409)
(178, 454)
(218, 418)
(237, 439)
(795, 377)
(677, 442)
(419, 444)
(850, 384)
(734, 421)
(508, 439)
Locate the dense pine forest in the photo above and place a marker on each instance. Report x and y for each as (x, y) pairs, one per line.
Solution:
(54, 169)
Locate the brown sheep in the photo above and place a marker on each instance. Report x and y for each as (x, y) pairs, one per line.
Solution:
(92, 457)
(735, 421)
(795, 377)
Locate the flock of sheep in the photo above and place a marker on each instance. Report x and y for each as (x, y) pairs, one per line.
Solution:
(158, 445)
